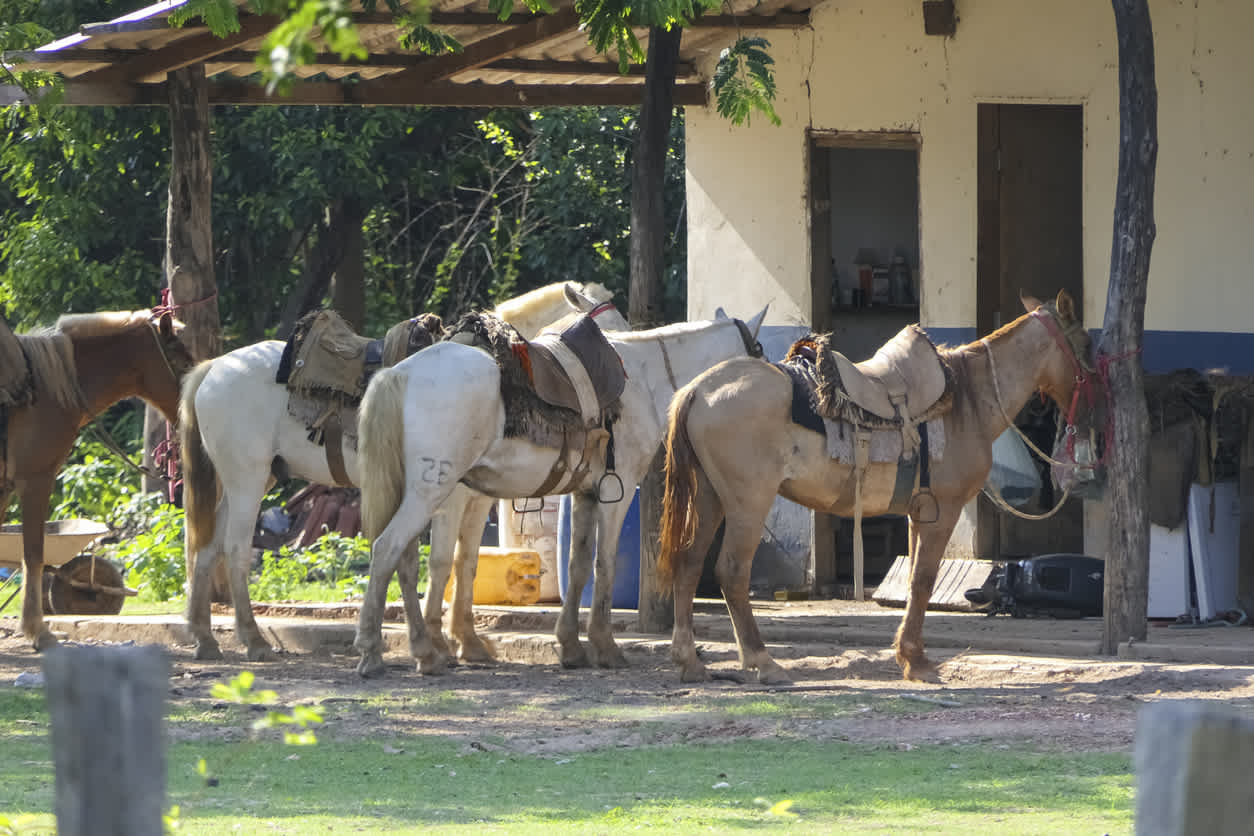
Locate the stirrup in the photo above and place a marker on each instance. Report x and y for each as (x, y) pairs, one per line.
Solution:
(621, 491)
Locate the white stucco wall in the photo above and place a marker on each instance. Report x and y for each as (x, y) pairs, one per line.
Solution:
(868, 66)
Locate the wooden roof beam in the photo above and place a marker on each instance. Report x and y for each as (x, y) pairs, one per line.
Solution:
(182, 53)
(489, 49)
(377, 94)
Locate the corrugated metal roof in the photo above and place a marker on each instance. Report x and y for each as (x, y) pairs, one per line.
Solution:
(525, 60)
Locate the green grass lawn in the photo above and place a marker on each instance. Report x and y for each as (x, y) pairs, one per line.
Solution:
(424, 784)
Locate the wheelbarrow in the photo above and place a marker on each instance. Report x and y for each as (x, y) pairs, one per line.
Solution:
(73, 583)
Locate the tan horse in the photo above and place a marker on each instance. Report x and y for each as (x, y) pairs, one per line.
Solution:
(731, 447)
(87, 363)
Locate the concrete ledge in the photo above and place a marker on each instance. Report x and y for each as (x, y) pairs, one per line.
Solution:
(1191, 654)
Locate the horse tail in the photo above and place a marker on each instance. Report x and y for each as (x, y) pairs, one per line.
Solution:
(200, 477)
(380, 442)
(679, 513)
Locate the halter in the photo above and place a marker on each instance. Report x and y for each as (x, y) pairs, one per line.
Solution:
(1083, 384)
(600, 309)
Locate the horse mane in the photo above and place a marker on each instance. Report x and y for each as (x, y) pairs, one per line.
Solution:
(103, 324)
(545, 298)
(50, 357)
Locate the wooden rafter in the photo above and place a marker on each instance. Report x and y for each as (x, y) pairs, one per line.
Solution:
(489, 49)
(181, 53)
(379, 93)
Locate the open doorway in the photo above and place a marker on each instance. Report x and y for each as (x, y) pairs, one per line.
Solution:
(1030, 239)
(864, 190)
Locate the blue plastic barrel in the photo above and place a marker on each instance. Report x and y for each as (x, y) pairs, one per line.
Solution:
(626, 593)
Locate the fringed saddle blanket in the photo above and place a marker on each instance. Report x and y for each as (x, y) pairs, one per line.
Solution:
(16, 380)
(821, 404)
(326, 367)
(542, 403)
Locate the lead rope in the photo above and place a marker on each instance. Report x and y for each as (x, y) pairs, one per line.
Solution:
(993, 493)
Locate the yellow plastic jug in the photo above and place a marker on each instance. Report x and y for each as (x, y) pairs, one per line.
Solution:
(505, 576)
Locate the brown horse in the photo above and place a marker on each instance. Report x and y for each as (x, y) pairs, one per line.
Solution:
(731, 447)
(79, 368)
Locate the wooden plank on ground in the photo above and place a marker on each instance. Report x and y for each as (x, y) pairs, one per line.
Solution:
(952, 582)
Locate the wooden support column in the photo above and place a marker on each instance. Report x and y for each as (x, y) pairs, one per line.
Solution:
(107, 711)
(648, 237)
(1126, 591)
(189, 232)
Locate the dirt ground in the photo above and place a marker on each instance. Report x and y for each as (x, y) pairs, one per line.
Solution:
(526, 703)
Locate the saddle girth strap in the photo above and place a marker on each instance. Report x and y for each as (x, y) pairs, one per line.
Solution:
(333, 442)
(558, 471)
(861, 459)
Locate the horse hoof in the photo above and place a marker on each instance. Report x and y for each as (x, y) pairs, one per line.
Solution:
(434, 665)
(611, 658)
(371, 666)
(475, 652)
(208, 652)
(923, 671)
(574, 656)
(262, 653)
(774, 676)
(694, 673)
(44, 641)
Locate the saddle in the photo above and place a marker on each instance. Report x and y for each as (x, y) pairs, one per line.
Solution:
(560, 391)
(326, 367)
(906, 382)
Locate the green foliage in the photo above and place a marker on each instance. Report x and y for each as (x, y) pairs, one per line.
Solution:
(150, 547)
(744, 82)
(240, 691)
(333, 560)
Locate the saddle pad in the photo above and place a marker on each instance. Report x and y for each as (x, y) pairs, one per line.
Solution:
(578, 369)
(907, 366)
(886, 445)
(324, 355)
(804, 413)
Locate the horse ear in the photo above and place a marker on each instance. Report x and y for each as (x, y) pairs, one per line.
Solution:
(165, 325)
(1066, 306)
(577, 300)
(1030, 302)
(755, 324)
(719, 313)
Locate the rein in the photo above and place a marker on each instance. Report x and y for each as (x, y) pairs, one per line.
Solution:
(1084, 384)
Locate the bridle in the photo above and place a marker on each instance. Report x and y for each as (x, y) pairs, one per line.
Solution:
(1087, 381)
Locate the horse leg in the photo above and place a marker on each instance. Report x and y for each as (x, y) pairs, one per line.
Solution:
(439, 567)
(201, 566)
(928, 541)
(579, 563)
(735, 562)
(609, 516)
(35, 495)
(471, 647)
(241, 518)
(687, 566)
(386, 552)
(435, 660)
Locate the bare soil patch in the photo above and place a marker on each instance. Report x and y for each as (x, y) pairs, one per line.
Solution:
(844, 691)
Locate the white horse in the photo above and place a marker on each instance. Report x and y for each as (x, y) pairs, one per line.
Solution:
(437, 418)
(234, 423)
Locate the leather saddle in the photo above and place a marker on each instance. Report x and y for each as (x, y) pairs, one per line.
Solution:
(577, 369)
(906, 382)
(325, 357)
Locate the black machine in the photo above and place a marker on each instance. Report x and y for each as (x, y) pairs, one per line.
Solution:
(1054, 585)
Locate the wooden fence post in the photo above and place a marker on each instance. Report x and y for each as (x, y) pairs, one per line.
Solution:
(107, 707)
(1193, 767)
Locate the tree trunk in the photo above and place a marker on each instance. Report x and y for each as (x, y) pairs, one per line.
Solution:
(648, 237)
(348, 287)
(189, 233)
(322, 261)
(1127, 556)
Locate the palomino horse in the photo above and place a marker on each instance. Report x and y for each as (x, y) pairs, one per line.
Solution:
(437, 418)
(235, 424)
(731, 447)
(80, 367)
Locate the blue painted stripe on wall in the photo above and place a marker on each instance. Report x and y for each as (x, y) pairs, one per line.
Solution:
(1164, 351)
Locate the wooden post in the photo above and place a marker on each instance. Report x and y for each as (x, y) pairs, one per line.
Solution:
(107, 707)
(189, 233)
(1193, 767)
(1127, 555)
(655, 613)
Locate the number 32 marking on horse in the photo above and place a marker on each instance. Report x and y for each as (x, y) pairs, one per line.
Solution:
(435, 471)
